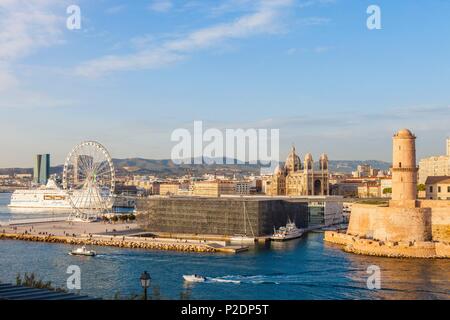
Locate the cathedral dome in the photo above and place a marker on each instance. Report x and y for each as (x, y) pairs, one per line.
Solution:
(279, 170)
(293, 162)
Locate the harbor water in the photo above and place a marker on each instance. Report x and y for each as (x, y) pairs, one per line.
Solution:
(305, 268)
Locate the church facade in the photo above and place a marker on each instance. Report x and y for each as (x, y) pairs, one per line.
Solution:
(297, 179)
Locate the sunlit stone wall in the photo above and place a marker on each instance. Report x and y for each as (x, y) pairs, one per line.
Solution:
(390, 224)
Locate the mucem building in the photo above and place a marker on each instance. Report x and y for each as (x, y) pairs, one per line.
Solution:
(252, 216)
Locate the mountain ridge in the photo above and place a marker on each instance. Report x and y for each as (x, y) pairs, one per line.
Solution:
(166, 167)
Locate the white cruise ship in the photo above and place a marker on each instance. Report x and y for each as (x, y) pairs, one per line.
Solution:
(45, 197)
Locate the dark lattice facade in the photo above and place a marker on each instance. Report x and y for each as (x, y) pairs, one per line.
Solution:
(219, 216)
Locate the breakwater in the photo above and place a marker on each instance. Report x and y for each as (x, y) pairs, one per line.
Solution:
(121, 242)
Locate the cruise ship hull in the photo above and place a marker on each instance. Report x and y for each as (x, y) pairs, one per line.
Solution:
(45, 197)
(39, 200)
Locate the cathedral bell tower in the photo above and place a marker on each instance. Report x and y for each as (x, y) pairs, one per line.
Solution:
(308, 173)
(323, 163)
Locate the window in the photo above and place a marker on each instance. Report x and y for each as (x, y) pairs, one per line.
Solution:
(431, 188)
(448, 189)
(399, 164)
(439, 189)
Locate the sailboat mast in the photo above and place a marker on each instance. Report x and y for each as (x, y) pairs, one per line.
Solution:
(245, 222)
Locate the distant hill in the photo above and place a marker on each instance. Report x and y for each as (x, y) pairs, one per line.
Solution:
(166, 167)
(147, 166)
(348, 166)
(169, 168)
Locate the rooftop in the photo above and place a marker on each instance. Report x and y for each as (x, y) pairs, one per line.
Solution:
(12, 292)
(438, 179)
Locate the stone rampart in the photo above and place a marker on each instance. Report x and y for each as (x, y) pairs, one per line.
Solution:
(390, 223)
(394, 249)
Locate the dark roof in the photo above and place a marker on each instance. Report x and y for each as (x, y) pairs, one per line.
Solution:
(438, 179)
(12, 292)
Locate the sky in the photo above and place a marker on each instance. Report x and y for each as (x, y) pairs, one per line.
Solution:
(137, 70)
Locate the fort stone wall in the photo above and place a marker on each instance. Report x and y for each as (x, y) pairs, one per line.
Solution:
(391, 224)
(440, 218)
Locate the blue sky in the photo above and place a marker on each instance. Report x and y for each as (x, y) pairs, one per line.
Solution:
(137, 70)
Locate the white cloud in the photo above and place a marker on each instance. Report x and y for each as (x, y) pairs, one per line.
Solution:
(25, 27)
(115, 9)
(313, 21)
(231, 6)
(161, 5)
(309, 3)
(264, 20)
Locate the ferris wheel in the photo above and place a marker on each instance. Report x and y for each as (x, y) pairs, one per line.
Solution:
(89, 178)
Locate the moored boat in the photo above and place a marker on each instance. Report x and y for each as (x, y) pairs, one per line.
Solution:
(288, 232)
(242, 238)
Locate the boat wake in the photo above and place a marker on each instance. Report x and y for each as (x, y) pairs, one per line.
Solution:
(276, 279)
(258, 279)
(244, 280)
(223, 280)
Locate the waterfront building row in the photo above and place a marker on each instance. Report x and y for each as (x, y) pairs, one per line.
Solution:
(435, 166)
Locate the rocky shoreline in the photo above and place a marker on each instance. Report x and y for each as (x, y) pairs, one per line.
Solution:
(371, 247)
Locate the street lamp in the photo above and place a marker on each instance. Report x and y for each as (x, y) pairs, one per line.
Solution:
(145, 282)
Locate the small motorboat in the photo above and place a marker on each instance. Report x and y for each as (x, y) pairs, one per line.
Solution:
(82, 252)
(194, 278)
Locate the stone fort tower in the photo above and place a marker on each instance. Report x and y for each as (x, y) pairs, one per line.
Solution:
(407, 227)
(404, 169)
(405, 219)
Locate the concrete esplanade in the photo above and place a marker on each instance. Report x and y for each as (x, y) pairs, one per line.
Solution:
(405, 227)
